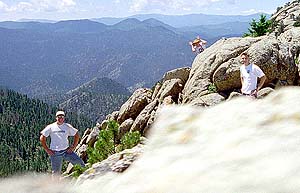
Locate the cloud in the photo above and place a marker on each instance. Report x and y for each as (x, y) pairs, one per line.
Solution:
(39, 6)
(3, 6)
(139, 5)
(53, 5)
(250, 11)
(168, 5)
(231, 2)
(254, 11)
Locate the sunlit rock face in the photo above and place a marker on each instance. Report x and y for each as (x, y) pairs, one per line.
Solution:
(243, 145)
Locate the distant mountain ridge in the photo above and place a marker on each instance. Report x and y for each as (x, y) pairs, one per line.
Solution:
(185, 20)
(71, 26)
(85, 26)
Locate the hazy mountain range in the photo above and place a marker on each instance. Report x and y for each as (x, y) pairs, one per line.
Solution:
(40, 58)
(46, 59)
(179, 21)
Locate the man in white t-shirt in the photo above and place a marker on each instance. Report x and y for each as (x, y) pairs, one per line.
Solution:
(59, 150)
(249, 75)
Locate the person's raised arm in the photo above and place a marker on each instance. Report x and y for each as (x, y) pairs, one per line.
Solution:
(192, 46)
(203, 41)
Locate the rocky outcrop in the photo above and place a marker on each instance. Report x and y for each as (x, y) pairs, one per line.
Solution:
(189, 152)
(286, 16)
(139, 111)
(220, 63)
(180, 73)
(206, 63)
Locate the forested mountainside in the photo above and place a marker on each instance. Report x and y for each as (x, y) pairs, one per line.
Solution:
(21, 120)
(94, 99)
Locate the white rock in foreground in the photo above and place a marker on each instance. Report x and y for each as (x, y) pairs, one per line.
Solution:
(238, 146)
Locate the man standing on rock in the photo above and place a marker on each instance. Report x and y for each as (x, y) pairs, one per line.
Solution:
(59, 150)
(249, 74)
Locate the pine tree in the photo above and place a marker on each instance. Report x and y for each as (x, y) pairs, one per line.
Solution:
(260, 28)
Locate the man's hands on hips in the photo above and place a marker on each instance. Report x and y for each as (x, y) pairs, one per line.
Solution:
(50, 152)
(70, 149)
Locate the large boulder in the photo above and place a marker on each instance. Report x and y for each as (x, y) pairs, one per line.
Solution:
(254, 144)
(208, 100)
(124, 128)
(156, 90)
(135, 104)
(141, 121)
(149, 122)
(264, 92)
(113, 116)
(92, 137)
(170, 87)
(179, 73)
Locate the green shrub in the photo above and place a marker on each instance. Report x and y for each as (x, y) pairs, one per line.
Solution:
(78, 170)
(297, 23)
(129, 140)
(212, 88)
(105, 145)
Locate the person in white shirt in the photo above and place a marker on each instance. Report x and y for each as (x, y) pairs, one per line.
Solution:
(249, 75)
(59, 150)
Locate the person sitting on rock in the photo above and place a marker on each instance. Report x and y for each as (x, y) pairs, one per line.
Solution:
(249, 74)
(198, 45)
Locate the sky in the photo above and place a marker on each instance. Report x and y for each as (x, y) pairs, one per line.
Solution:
(85, 9)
